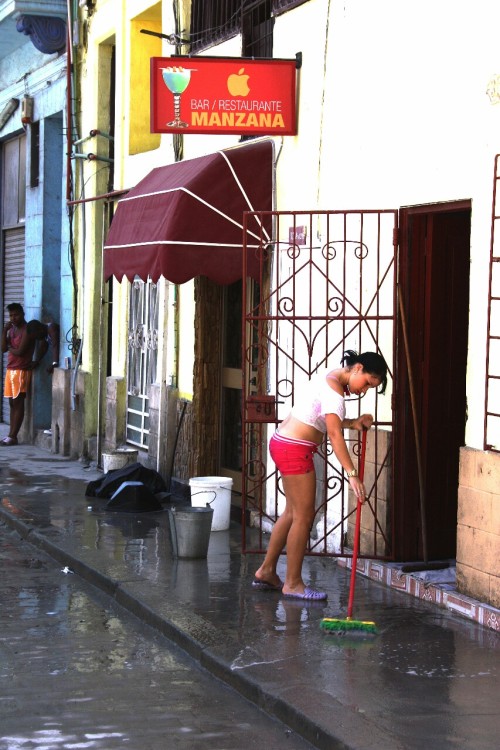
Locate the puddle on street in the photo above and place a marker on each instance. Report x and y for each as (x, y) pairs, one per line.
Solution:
(65, 649)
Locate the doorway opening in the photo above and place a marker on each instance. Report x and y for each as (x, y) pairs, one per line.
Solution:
(434, 260)
(231, 455)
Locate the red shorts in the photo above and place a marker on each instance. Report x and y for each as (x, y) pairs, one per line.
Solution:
(292, 456)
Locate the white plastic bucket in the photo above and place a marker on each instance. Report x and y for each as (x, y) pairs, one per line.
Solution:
(216, 493)
(118, 459)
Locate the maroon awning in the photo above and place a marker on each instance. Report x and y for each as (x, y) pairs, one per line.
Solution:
(186, 219)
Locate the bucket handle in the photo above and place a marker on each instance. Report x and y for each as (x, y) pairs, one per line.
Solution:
(203, 492)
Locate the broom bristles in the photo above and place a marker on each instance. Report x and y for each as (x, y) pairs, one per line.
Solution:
(336, 625)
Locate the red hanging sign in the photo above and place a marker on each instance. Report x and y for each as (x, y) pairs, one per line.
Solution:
(223, 95)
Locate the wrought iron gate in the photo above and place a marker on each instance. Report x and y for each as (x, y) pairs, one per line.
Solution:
(142, 358)
(327, 283)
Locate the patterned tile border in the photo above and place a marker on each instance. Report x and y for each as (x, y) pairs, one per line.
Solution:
(443, 595)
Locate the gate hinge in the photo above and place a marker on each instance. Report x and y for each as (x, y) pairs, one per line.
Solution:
(395, 236)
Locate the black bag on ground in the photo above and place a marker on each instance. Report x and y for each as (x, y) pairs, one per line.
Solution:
(106, 486)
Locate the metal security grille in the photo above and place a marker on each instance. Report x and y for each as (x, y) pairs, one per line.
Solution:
(257, 27)
(327, 284)
(216, 21)
(142, 358)
(492, 410)
(13, 257)
(280, 6)
(213, 22)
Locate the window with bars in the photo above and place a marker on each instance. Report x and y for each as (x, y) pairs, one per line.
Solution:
(213, 22)
(279, 6)
(257, 28)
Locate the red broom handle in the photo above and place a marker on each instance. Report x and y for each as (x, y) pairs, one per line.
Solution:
(357, 530)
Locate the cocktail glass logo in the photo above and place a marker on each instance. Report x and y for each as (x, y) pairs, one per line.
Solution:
(176, 80)
(237, 83)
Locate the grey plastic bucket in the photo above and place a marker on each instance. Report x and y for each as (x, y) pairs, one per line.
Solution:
(190, 531)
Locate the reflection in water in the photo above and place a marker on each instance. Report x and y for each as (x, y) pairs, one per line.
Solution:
(219, 562)
(131, 526)
(281, 628)
(138, 541)
(190, 580)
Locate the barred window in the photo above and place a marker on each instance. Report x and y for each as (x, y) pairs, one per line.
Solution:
(280, 6)
(258, 25)
(213, 22)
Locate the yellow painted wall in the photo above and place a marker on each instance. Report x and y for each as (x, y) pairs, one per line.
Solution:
(118, 23)
(99, 33)
(142, 48)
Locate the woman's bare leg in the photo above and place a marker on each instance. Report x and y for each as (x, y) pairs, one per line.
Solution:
(291, 530)
(267, 571)
(300, 491)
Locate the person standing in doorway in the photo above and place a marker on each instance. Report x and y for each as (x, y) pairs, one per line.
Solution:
(47, 335)
(20, 346)
(319, 408)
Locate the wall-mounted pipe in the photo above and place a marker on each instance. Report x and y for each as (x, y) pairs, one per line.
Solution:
(95, 132)
(92, 157)
(92, 134)
(104, 196)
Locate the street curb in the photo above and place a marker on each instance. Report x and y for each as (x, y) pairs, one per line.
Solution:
(247, 687)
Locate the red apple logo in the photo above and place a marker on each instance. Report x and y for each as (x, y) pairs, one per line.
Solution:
(237, 83)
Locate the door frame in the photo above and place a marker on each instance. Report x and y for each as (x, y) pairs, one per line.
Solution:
(233, 377)
(429, 292)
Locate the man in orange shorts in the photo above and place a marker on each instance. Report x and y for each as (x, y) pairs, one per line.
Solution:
(20, 346)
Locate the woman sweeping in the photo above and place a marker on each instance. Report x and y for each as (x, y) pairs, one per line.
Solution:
(319, 408)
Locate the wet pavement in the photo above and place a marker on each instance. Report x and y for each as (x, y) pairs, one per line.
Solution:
(430, 679)
(78, 671)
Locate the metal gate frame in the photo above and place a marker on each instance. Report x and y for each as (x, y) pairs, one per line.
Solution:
(492, 401)
(142, 358)
(327, 283)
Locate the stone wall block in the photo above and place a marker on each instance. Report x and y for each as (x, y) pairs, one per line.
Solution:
(78, 445)
(487, 472)
(478, 529)
(476, 584)
(378, 444)
(474, 508)
(115, 427)
(467, 470)
(61, 411)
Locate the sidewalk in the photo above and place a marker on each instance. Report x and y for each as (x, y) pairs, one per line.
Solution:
(430, 679)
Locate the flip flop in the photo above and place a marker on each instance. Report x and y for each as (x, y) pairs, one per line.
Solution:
(308, 595)
(8, 441)
(262, 585)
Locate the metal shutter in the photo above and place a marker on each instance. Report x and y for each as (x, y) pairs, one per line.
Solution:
(13, 287)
